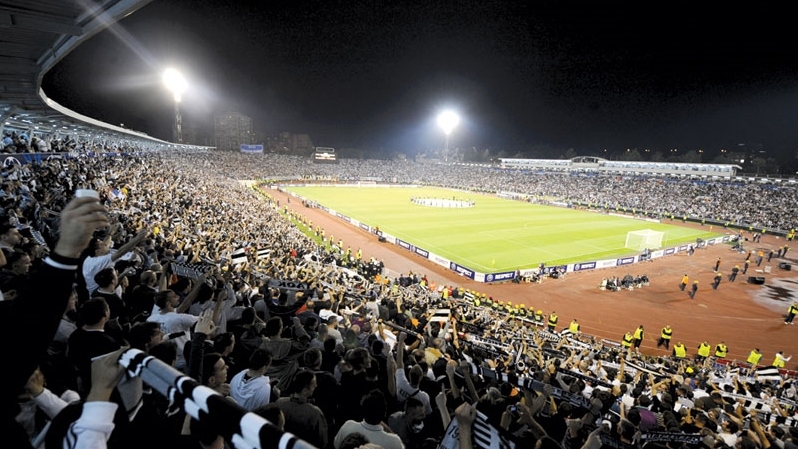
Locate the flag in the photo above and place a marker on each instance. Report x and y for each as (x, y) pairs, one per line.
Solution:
(239, 256)
(263, 253)
(767, 373)
(117, 194)
(441, 316)
(484, 435)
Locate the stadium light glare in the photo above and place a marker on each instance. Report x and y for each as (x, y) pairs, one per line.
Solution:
(176, 83)
(447, 120)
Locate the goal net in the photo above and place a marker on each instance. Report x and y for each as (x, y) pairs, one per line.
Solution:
(640, 240)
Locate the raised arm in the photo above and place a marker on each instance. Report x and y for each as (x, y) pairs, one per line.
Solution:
(127, 247)
(400, 350)
(192, 295)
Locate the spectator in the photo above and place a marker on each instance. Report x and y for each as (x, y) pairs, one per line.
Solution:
(251, 388)
(301, 417)
(371, 427)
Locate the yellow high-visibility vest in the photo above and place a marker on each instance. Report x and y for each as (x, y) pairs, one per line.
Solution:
(627, 340)
(754, 357)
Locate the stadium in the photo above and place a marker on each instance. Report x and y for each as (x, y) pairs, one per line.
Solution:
(477, 252)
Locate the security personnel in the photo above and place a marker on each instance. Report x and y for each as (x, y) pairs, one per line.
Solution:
(573, 327)
(679, 351)
(638, 337)
(716, 280)
(734, 272)
(721, 350)
(665, 337)
(791, 312)
(780, 360)
(754, 357)
(703, 351)
(628, 338)
(694, 289)
(685, 280)
(539, 316)
(553, 321)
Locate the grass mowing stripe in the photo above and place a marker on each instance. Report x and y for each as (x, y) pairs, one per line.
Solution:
(496, 234)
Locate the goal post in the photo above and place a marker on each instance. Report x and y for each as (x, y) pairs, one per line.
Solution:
(644, 239)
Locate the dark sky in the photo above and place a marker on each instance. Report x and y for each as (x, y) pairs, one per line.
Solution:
(373, 74)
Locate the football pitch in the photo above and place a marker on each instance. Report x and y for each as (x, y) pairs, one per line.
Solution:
(496, 234)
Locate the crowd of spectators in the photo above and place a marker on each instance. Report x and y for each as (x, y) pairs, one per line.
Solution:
(211, 277)
(741, 203)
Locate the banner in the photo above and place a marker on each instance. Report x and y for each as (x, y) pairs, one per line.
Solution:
(497, 277)
(286, 284)
(244, 430)
(462, 270)
(584, 266)
(251, 148)
(674, 437)
(588, 379)
(190, 270)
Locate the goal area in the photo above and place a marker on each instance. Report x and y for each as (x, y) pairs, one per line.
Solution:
(645, 239)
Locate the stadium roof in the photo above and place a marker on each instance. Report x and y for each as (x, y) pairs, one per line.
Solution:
(34, 36)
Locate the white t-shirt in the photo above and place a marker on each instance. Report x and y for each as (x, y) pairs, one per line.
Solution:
(172, 323)
(375, 434)
(92, 266)
(252, 392)
(404, 390)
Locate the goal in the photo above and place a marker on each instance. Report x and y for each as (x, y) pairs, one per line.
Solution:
(640, 240)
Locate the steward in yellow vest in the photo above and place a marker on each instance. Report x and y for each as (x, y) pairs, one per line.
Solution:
(627, 340)
(574, 327)
(780, 360)
(679, 351)
(703, 351)
(754, 357)
(553, 321)
(721, 350)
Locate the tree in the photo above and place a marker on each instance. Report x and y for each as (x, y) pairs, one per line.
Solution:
(570, 154)
(691, 157)
(630, 154)
(657, 157)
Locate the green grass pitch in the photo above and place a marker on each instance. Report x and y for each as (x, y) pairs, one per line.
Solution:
(496, 234)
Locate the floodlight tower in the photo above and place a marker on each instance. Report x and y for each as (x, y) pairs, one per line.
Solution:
(447, 120)
(176, 83)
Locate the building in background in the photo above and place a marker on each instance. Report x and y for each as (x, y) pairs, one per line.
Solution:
(197, 132)
(231, 130)
(290, 143)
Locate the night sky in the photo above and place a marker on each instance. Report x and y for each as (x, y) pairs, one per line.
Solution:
(523, 75)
